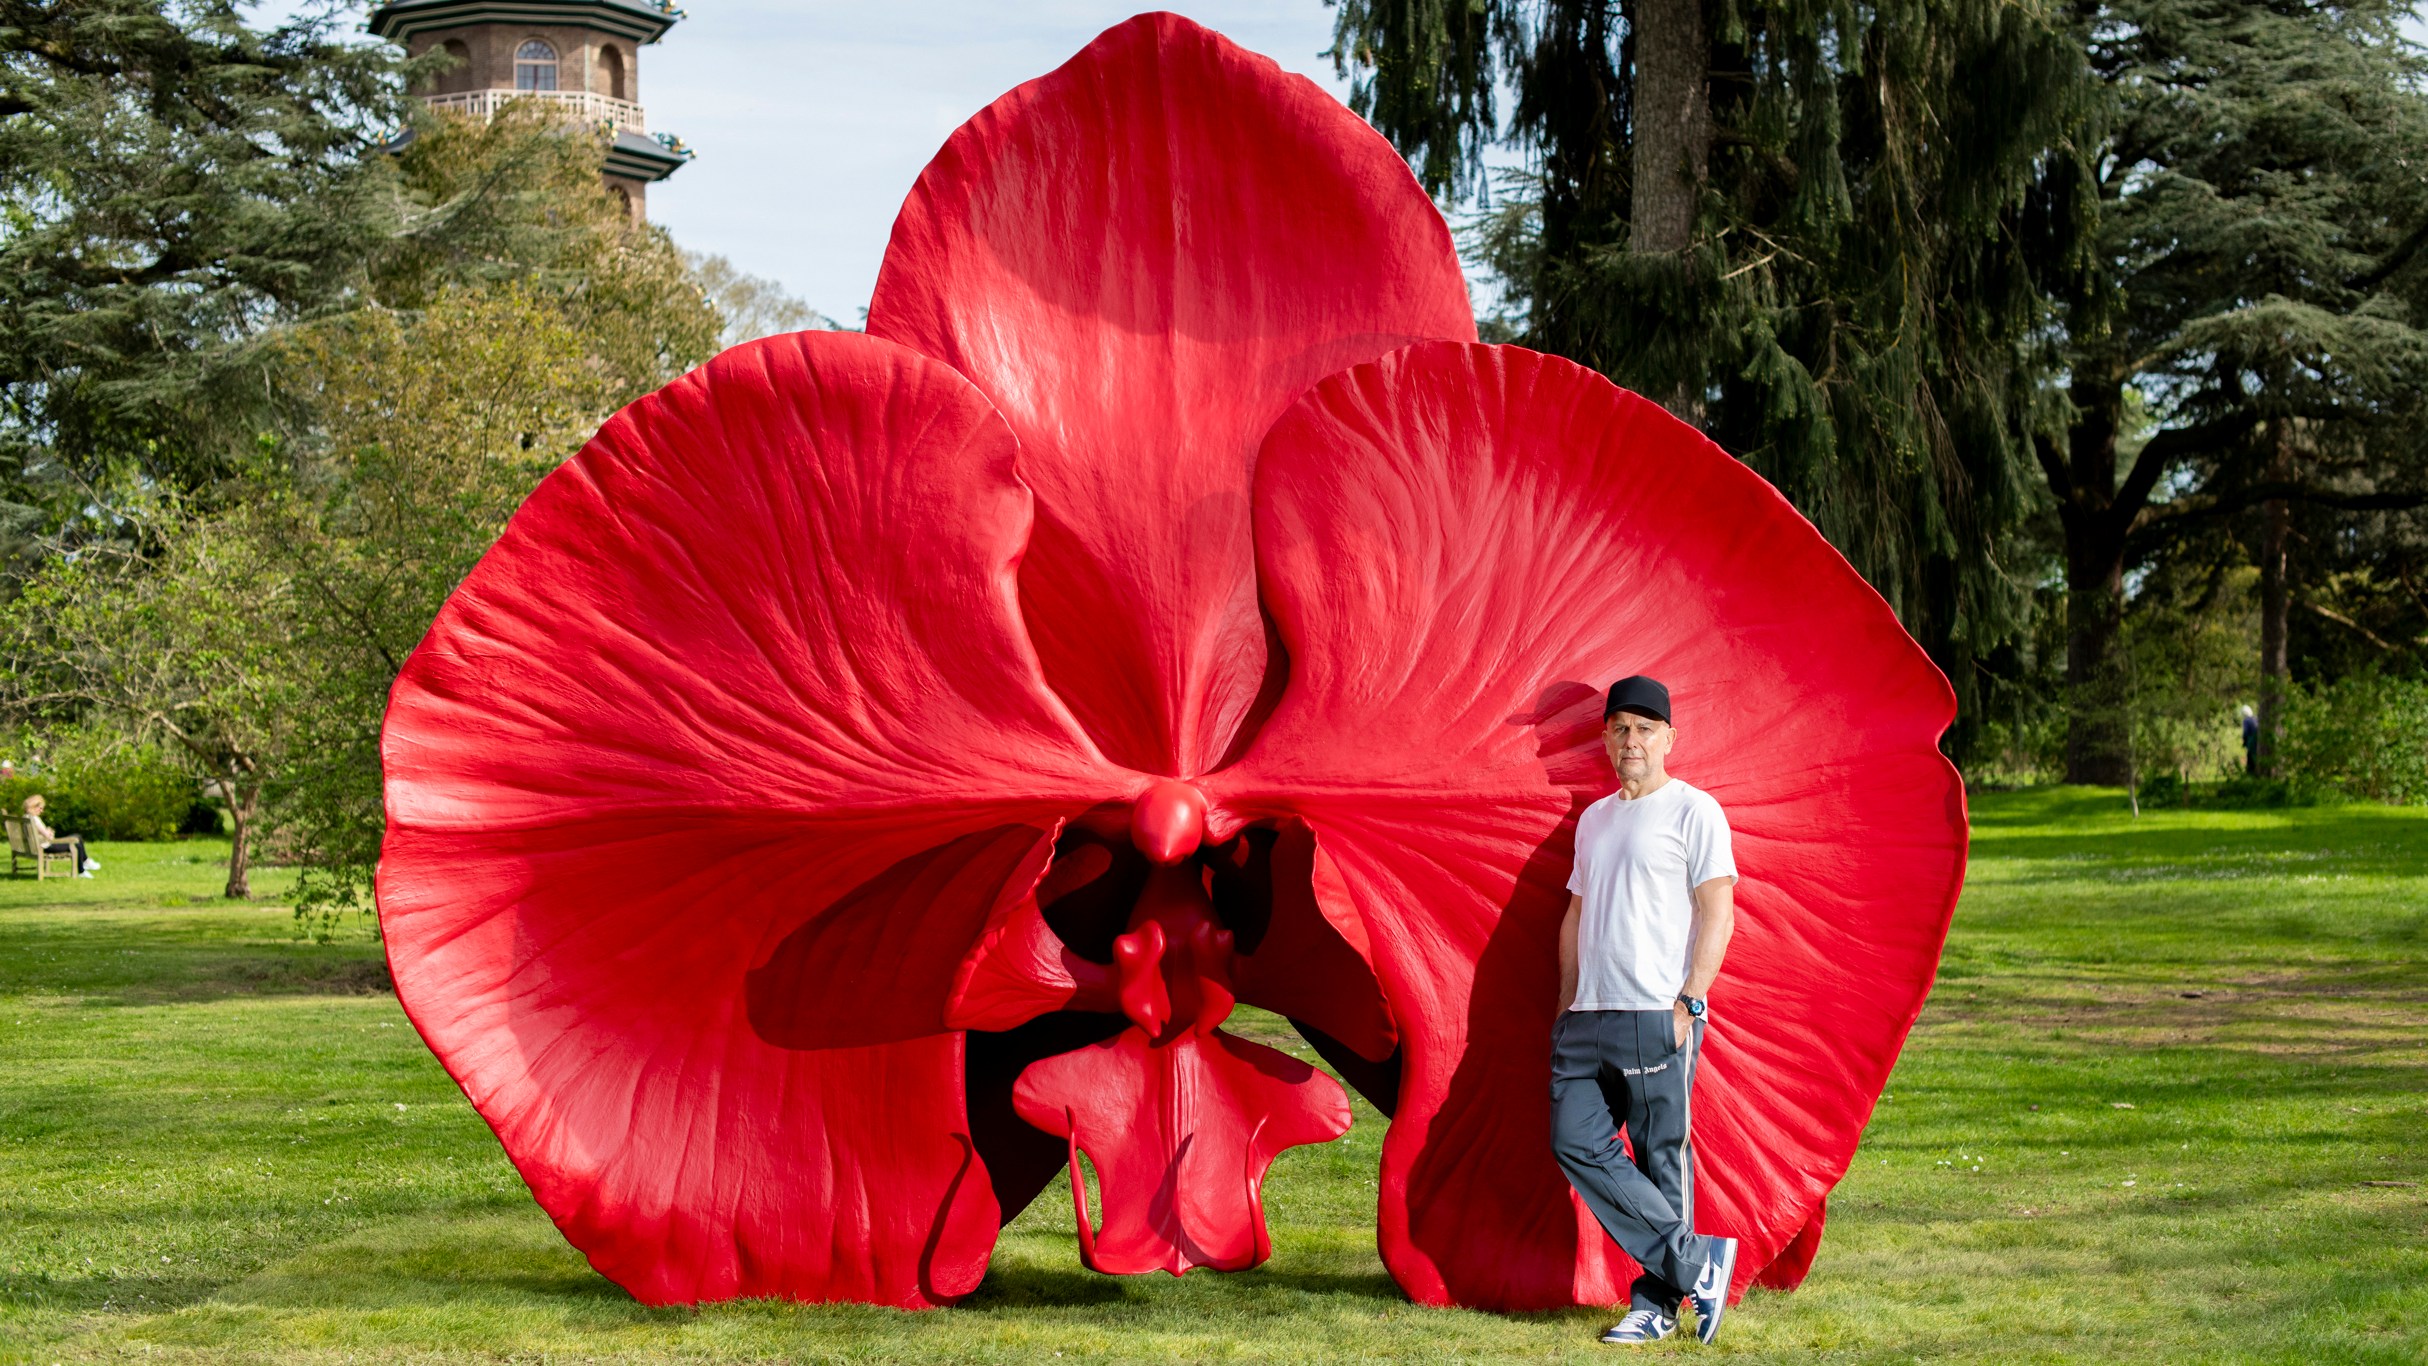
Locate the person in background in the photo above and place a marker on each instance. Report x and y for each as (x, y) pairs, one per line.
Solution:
(2250, 739)
(42, 837)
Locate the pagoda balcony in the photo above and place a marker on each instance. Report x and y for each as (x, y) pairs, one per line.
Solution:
(578, 106)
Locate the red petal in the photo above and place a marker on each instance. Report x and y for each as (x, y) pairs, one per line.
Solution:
(1461, 546)
(1181, 1134)
(876, 966)
(753, 656)
(1020, 969)
(1787, 1270)
(586, 988)
(1143, 258)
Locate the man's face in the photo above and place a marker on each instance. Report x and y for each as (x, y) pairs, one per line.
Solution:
(1638, 745)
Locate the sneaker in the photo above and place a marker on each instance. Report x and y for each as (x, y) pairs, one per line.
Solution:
(1643, 1325)
(84, 875)
(1710, 1293)
(91, 867)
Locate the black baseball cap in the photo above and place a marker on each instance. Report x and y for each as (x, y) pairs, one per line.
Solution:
(1644, 696)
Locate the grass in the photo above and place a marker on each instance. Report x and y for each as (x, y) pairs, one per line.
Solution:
(2167, 1104)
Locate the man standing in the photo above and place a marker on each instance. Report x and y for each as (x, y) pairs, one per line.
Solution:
(1651, 906)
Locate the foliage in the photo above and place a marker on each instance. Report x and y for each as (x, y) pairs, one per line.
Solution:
(278, 378)
(1853, 316)
(431, 431)
(518, 200)
(2365, 736)
(2359, 600)
(751, 306)
(2189, 666)
(96, 785)
(170, 181)
(518, 309)
(172, 627)
(2231, 251)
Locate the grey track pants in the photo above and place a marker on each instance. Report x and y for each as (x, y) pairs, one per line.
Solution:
(1614, 1070)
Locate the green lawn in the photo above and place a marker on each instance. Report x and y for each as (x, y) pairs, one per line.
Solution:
(2167, 1104)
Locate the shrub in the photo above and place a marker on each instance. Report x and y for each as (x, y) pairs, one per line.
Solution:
(103, 791)
(2365, 736)
(2165, 789)
(2244, 792)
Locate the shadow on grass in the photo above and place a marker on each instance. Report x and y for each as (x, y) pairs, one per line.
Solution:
(438, 1258)
(1029, 1286)
(1011, 1284)
(2094, 824)
(1373, 1285)
(101, 1292)
(175, 958)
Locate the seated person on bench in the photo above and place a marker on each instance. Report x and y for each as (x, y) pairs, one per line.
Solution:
(41, 837)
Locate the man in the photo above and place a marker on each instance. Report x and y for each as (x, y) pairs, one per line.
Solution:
(1652, 902)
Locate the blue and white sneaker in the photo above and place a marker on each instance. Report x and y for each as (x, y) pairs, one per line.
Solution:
(1710, 1293)
(1641, 1326)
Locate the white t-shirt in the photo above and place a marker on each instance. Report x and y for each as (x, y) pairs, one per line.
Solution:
(1637, 865)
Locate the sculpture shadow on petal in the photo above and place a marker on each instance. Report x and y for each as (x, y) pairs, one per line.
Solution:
(1508, 1049)
(877, 965)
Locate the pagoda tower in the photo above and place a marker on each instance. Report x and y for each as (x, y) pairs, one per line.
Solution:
(583, 56)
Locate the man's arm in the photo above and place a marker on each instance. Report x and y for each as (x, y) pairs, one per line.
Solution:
(1568, 952)
(1715, 920)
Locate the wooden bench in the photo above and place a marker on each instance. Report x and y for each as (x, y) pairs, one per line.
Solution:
(21, 849)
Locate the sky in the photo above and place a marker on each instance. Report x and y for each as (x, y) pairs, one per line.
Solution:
(811, 118)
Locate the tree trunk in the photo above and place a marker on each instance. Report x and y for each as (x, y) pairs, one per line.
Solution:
(1671, 102)
(240, 849)
(2098, 735)
(1672, 108)
(2276, 529)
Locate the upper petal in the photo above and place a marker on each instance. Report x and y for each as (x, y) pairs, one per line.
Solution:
(738, 708)
(1461, 546)
(1142, 258)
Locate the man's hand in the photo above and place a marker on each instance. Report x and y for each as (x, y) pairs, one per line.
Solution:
(1686, 1022)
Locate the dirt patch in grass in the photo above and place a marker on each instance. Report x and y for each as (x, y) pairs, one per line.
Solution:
(2371, 1014)
(207, 979)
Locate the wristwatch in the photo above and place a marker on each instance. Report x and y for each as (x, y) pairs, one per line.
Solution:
(1694, 1005)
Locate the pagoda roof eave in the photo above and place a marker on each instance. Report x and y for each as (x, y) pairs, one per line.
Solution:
(638, 157)
(643, 21)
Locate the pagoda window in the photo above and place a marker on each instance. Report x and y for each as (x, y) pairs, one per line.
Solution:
(535, 66)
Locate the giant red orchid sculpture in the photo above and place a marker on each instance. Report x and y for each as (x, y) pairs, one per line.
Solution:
(866, 777)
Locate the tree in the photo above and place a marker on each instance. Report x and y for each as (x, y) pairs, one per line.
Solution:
(517, 200)
(405, 341)
(171, 181)
(518, 307)
(430, 430)
(2232, 251)
(167, 626)
(1797, 224)
(751, 306)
